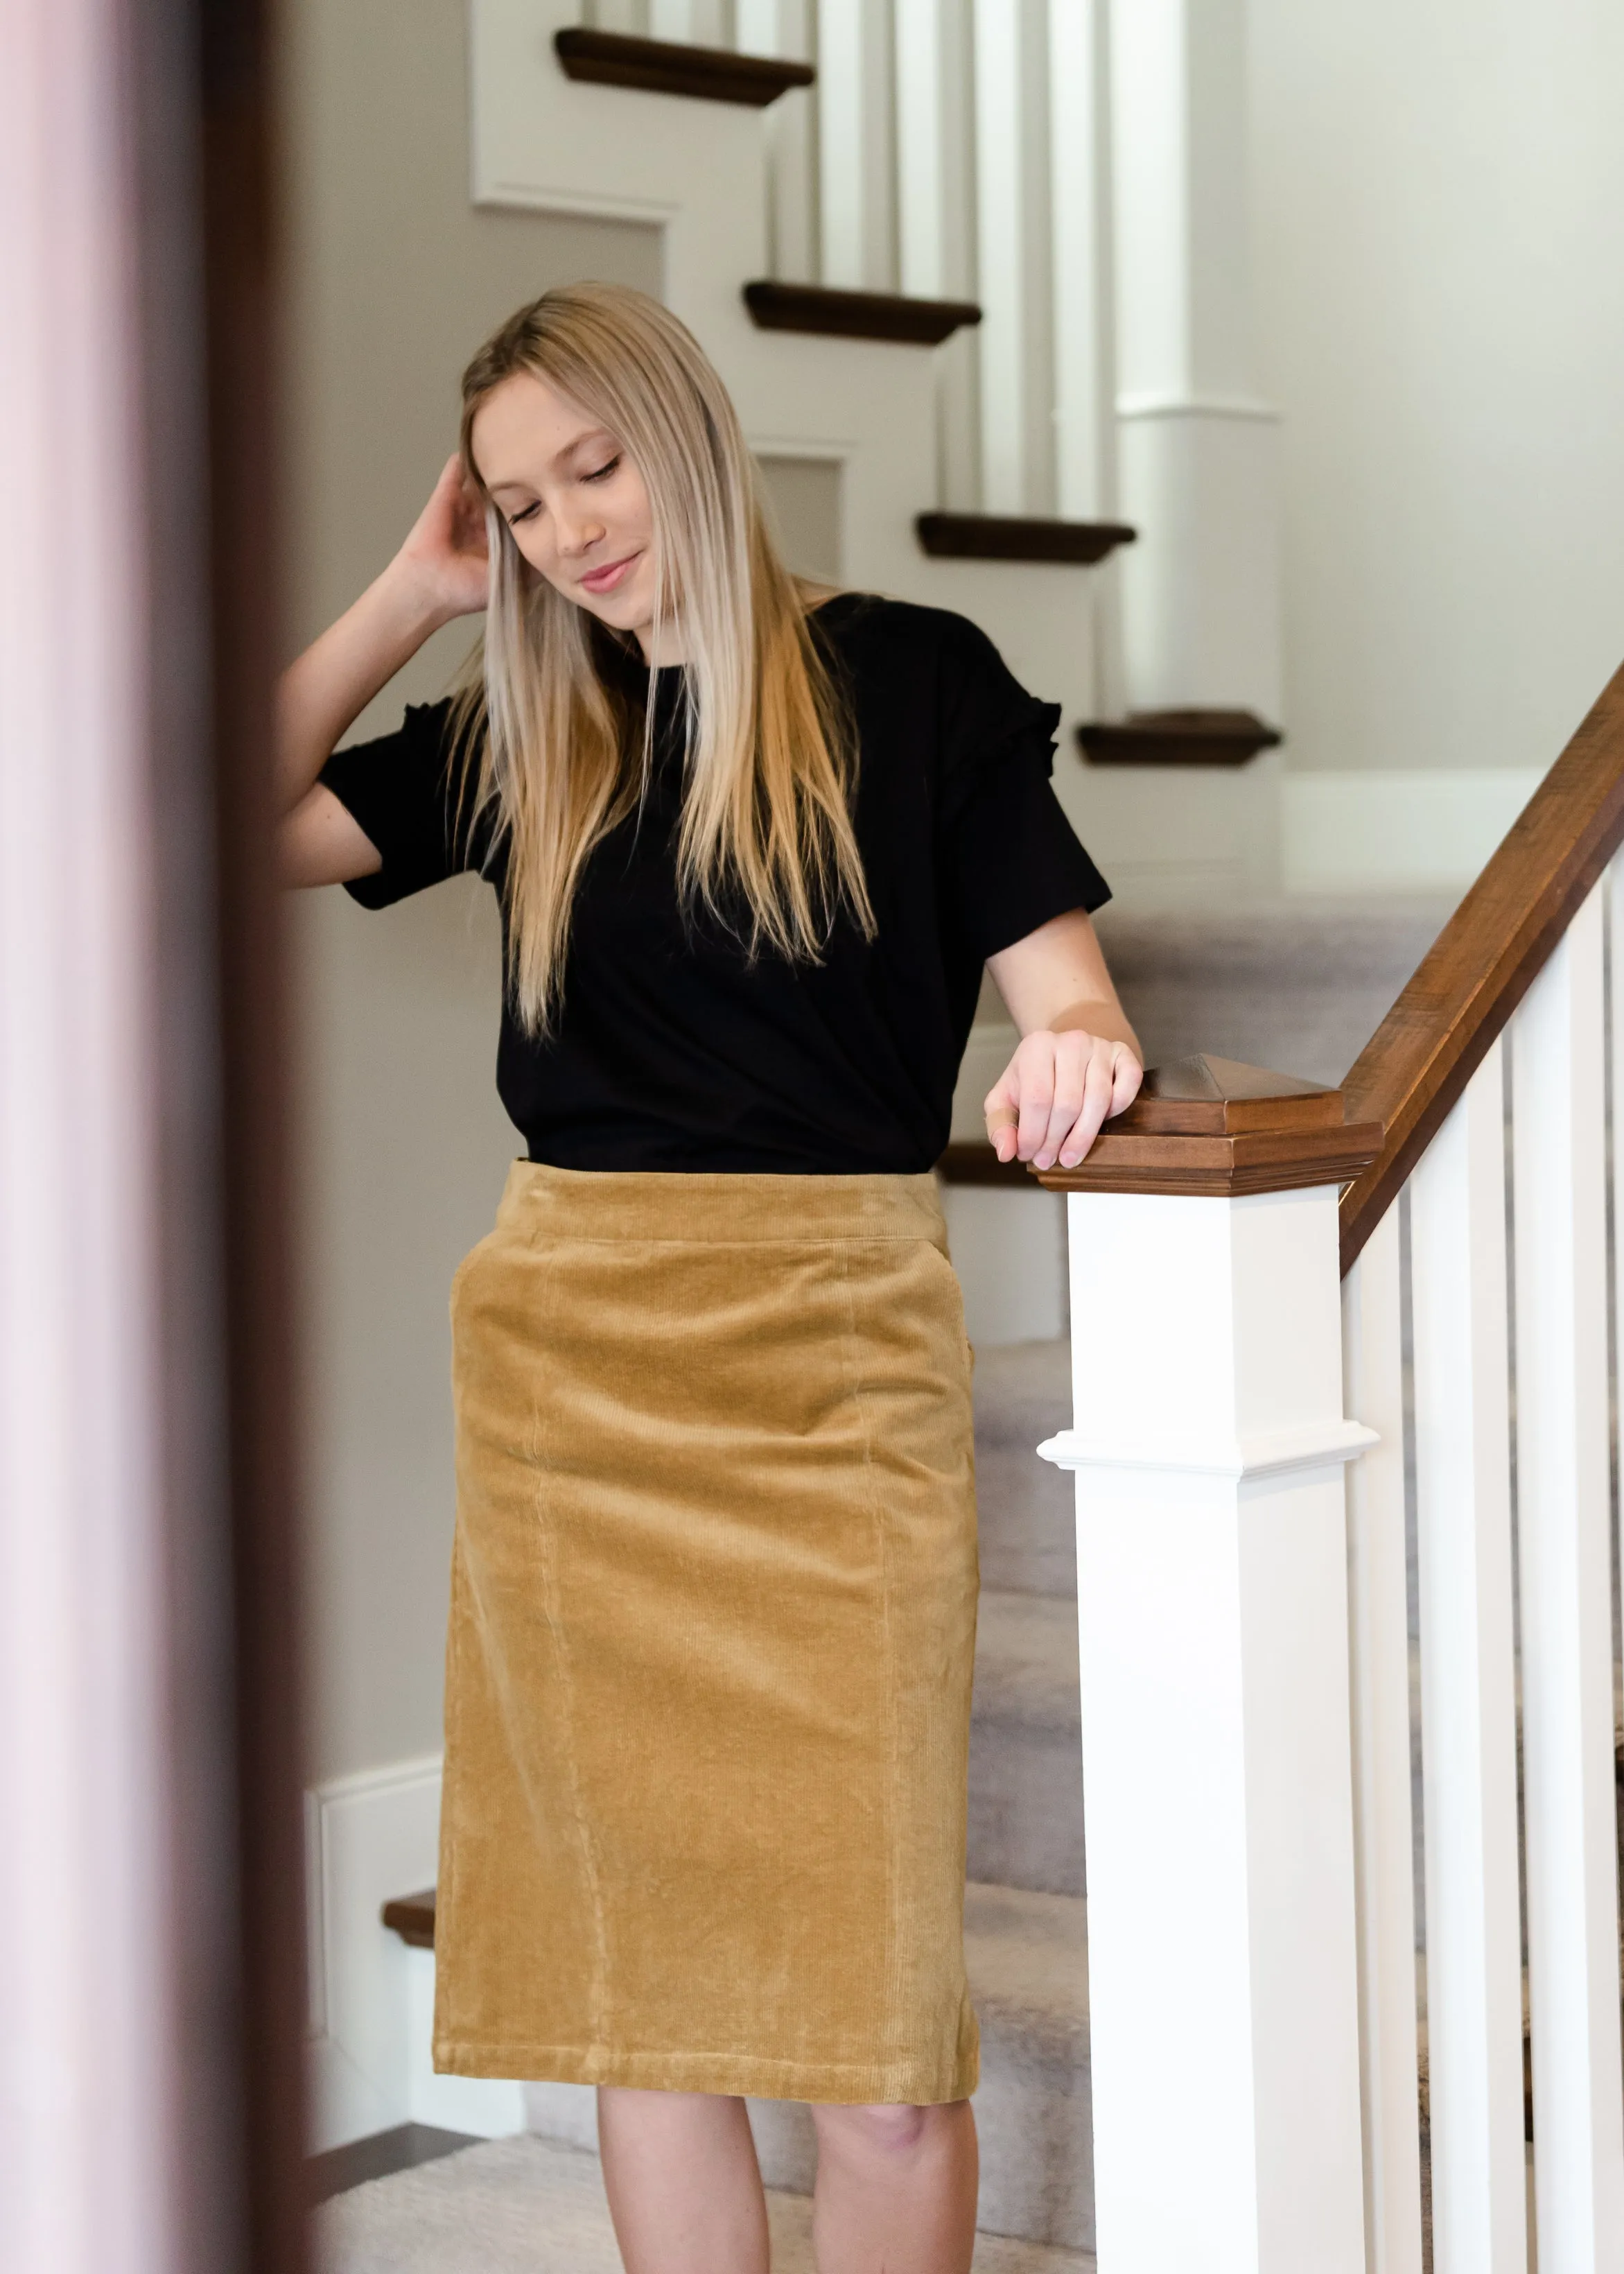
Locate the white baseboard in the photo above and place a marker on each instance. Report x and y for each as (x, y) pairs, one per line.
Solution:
(371, 1838)
(1392, 831)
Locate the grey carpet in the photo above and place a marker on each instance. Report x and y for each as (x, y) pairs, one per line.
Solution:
(1296, 986)
(530, 2206)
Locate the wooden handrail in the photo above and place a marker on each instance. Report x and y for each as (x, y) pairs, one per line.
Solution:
(1209, 1127)
(1419, 1061)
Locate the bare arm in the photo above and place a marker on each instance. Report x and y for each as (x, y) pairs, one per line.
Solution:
(439, 573)
(1078, 1061)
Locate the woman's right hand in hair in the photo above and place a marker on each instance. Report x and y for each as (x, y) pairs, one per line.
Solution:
(446, 547)
(440, 573)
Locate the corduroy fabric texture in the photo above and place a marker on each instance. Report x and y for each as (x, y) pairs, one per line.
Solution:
(713, 1634)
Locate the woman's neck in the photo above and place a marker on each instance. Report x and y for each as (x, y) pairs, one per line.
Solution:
(664, 653)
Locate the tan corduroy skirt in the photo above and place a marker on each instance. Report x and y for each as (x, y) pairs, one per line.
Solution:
(713, 1629)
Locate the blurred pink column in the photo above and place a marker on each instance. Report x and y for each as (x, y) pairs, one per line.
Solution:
(89, 2068)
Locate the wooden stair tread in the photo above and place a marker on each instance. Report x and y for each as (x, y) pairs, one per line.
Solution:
(670, 67)
(830, 310)
(412, 1918)
(1177, 738)
(973, 1162)
(1010, 537)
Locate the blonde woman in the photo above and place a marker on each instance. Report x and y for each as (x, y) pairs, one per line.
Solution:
(714, 1583)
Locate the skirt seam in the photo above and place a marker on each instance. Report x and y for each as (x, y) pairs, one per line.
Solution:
(557, 1624)
(888, 1639)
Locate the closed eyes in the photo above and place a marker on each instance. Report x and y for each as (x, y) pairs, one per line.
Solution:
(599, 474)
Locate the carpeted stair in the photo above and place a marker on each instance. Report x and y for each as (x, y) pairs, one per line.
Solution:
(1299, 986)
(535, 2206)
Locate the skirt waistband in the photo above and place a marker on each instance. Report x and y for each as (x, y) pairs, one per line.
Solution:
(722, 1208)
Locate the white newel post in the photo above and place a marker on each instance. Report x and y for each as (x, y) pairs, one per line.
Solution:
(1208, 1445)
(1197, 447)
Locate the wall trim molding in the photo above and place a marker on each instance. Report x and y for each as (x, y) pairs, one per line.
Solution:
(788, 446)
(1264, 1453)
(369, 1836)
(591, 204)
(1158, 405)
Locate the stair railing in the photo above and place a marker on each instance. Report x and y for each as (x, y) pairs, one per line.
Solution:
(1288, 2042)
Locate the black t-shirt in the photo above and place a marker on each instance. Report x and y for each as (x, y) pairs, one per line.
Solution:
(675, 1050)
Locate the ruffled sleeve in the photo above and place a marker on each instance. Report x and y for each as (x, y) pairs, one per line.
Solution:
(1009, 859)
(406, 791)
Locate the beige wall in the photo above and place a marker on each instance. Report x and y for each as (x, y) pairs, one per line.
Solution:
(394, 280)
(1440, 272)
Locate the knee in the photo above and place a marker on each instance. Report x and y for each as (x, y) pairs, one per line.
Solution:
(886, 2133)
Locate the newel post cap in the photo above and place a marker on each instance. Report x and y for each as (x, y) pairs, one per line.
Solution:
(1212, 1127)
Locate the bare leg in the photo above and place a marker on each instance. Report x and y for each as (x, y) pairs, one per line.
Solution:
(896, 2189)
(684, 2187)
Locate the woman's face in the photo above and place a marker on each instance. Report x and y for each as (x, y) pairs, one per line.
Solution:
(576, 503)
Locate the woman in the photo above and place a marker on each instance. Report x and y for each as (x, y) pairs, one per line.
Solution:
(714, 1582)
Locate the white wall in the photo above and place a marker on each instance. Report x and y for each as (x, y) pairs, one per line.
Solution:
(1438, 270)
(395, 277)
(394, 280)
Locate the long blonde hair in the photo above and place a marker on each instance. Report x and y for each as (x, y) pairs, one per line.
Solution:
(766, 841)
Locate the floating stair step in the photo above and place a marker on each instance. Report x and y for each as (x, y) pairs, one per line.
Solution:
(1006, 537)
(1177, 738)
(973, 1162)
(668, 67)
(1026, 1826)
(825, 308)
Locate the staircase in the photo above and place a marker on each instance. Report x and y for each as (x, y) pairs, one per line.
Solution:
(918, 442)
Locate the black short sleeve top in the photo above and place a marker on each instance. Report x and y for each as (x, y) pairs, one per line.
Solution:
(674, 1048)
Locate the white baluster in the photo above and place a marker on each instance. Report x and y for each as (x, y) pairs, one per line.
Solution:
(854, 129)
(921, 155)
(1198, 475)
(785, 27)
(1374, 1373)
(1565, 1562)
(936, 214)
(1083, 410)
(698, 23)
(1468, 1710)
(1011, 143)
(623, 16)
(758, 27)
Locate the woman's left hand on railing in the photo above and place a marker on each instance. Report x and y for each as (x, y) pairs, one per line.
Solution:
(1049, 1101)
(1078, 1060)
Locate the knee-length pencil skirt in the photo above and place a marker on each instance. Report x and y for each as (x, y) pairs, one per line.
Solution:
(712, 1632)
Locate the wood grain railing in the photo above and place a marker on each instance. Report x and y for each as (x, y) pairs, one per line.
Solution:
(1417, 1064)
(1414, 1068)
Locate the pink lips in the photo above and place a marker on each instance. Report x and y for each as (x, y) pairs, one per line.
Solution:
(605, 579)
